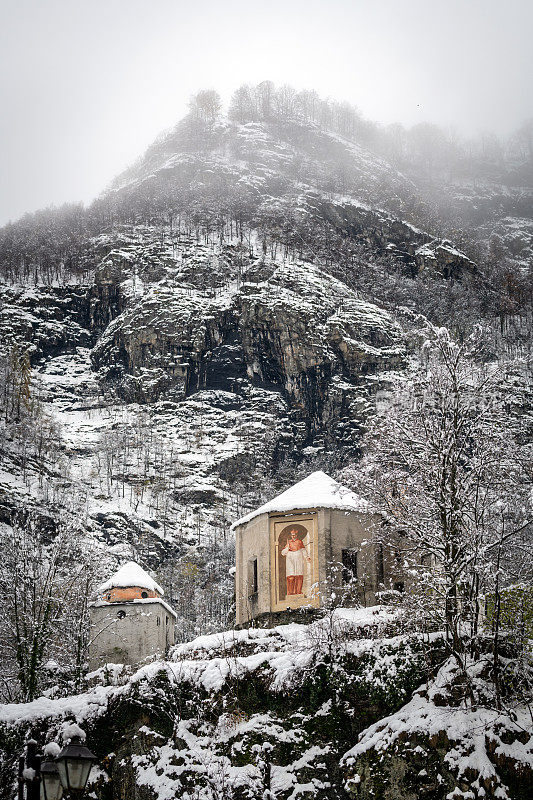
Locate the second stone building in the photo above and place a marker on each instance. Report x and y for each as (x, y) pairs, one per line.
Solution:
(293, 551)
(130, 621)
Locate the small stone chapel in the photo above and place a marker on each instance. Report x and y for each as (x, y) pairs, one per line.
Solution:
(292, 551)
(130, 621)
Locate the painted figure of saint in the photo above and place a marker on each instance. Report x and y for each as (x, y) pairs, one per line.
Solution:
(296, 554)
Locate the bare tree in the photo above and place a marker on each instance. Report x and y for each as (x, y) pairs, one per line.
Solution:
(45, 578)
(450, 471)
(206, 105)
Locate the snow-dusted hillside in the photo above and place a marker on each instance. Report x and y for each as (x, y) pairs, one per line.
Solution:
(164, 394)
(217, 325)
(296, 710)
(291, 176)
(270, 160)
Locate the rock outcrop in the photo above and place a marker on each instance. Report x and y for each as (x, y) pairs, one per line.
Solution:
(288, 328)
(279, 710)
(392, 237)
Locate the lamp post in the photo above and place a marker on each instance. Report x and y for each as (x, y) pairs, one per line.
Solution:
(29, 772)
(47, 780)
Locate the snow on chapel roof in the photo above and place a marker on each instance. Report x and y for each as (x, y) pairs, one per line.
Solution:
(318, 490)
(130, 574)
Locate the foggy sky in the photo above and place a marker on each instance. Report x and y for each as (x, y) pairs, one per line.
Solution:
(86, 85)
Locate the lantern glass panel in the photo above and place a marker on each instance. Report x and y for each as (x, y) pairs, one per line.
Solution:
(51, 788)
(62, 769)
(78, 772)
(87, 766)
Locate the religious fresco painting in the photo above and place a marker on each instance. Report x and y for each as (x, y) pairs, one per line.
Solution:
(294, 561)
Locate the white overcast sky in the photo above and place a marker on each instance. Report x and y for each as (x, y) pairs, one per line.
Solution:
(86, 85)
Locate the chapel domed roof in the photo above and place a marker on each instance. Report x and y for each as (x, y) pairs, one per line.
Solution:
(318, 490)
(130, 574)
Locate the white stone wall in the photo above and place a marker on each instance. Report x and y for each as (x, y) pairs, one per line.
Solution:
(357, 531)
(252, 541)
(132, 639)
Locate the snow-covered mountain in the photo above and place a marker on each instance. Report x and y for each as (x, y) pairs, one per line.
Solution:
(219, 322)
(229, 316)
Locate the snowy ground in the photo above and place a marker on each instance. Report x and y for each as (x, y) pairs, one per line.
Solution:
(218, 740)
(208, 660)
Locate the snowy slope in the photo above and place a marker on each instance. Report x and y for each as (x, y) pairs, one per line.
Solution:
(343, 705)
(267, 158)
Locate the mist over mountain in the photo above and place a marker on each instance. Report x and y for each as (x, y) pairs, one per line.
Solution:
(272, 289)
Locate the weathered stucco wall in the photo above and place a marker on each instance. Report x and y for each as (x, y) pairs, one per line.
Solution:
(252, 541)
(336, 531)
(130, 639)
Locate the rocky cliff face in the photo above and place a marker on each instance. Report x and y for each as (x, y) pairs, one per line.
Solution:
(391, 237)
(164, 393)
(288, 328)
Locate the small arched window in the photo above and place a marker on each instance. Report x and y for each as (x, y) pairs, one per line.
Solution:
(159, 620)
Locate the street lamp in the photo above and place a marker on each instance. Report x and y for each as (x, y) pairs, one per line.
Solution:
(51, 788)
(47, 780)
(74, 764)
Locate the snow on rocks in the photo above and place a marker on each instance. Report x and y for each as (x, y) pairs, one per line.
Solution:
(208, 660)
(283, 651)
(475, 743)
(238, 707)
(80, 707)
